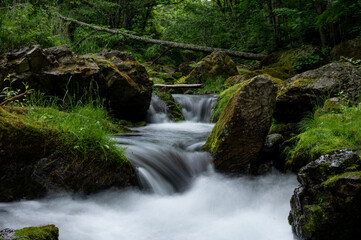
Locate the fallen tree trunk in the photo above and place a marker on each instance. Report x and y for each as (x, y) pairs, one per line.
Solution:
(244, 55)
(175, 86)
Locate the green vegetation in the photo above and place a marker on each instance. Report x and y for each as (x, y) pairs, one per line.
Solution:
(324, 133)
(48, 232)
(255, 26)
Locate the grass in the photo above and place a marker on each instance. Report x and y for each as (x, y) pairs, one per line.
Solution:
(84, 129)
(324, 133)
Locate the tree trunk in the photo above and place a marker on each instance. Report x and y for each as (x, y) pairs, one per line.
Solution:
(244, 55)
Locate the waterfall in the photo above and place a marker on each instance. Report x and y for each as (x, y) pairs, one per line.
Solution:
(167, 155)
(157, 112)
(196, 108)
(190, 202)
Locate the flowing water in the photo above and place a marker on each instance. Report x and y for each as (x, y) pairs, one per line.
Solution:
(182, 196)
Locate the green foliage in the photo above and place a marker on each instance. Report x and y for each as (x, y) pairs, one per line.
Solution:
(306, 60)
(355, 62)
(328, 132)
(24, 25)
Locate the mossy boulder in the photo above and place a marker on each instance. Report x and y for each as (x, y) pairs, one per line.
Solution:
(57, 71)
(287, 63)
(238, 136)
(47, 232)
(217, 64)
(300, 93)
(36, 158)
(327, 203)
(348, 49)
(173, 109)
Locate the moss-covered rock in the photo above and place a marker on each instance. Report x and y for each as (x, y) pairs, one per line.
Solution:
(326, 205)
(240, 132)
(36, 158)
(174, 110)
(56, 71)
(217, 64)
(348, 49)
(299, 95)
(293, 61)
(48, 232)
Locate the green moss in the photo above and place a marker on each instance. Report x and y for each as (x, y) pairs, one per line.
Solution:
(223, 100)
(316, 218)
(175, 110)
(48, 232)
(346, 175)
(283, 128)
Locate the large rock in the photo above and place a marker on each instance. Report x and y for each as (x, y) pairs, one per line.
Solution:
(299, 95)
(349, 49)
(57, 71)
(32, 164)
(240, 132)
(217, 64)
(327, 203)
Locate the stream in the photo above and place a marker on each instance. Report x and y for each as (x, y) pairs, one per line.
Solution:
(182, 197)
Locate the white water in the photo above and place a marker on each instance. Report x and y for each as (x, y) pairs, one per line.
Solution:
(186, 198)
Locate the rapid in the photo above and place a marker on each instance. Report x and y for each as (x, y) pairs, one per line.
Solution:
(181, 197)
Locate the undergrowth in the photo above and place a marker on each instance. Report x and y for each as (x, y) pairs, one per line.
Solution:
(324, 133)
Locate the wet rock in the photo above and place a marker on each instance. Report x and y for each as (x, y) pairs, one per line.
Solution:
(172, 109)
(238, 136)
(327, 203)
(300, 93)
(57, 71)
(217, 64)
(54, 174)
(269, 155)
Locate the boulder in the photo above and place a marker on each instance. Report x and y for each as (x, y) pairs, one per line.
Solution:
(238, 136)
(48, 232)
(270, 154)
(33, 164)
(57, 71)
(327, 203)
(300, 93)
(348, 49)
(217, 64)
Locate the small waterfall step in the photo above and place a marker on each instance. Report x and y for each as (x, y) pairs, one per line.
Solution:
(196, 108)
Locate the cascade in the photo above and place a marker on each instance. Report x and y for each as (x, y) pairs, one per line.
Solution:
(184, 197)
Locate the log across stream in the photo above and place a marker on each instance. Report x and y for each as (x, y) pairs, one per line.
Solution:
(182, 197)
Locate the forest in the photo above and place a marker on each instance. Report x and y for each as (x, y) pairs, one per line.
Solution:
(180, 119)
(251, 26)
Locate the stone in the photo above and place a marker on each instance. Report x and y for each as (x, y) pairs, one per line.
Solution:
(270, 154)
(300, 93)
(239, 135)
(47, 232)
(326, 205)
(217, 64)
(57, 71)
(348, 49)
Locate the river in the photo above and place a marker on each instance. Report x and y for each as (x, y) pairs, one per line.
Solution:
(182, 197)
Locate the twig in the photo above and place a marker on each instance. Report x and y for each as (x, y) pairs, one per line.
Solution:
(15, 98)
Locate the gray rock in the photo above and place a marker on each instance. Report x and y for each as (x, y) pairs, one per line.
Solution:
(239, 135)
(302, 91)
(327, 203)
